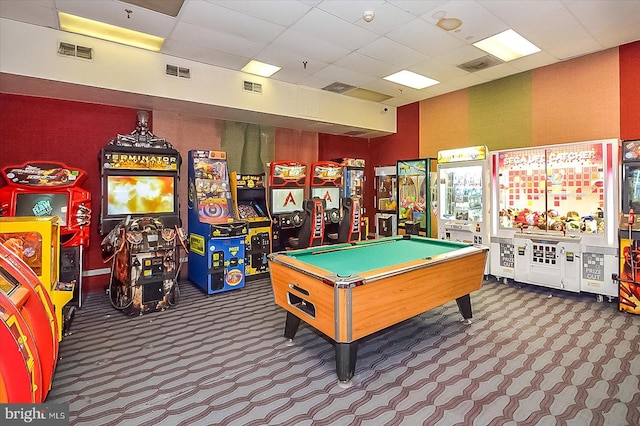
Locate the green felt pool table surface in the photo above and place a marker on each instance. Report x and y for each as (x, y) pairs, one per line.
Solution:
(345, 260)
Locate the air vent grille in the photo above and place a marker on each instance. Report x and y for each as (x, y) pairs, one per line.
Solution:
(177, 71)
(480, 63)
(250, 86)
(69, 49)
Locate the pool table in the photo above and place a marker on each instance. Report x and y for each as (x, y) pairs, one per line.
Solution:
(348, 291)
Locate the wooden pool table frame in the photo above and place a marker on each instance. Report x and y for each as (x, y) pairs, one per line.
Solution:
(347, 309)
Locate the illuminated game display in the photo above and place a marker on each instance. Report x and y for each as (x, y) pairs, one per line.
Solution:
(326, 183)
(216, 236)
(417, 196)
(463, 183)
(353, 186)
(629, 234)
(140, 219)
(53, 189)
(286, 192)
(386, 186)
(554, 216)
(251, 205)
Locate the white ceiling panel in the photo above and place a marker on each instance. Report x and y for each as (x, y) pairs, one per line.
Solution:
(338, 45)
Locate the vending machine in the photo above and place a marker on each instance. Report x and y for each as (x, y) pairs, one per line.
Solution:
(629, 229)
(286, 195)
(326, 183)
(554, 216)
(417, 197)
(463, 183)
(386, 203)
(216, 236)
(251, 205)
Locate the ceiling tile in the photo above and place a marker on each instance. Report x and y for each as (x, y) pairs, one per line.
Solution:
(393, 53)
(310, 46)
(425, 37)
(189, 33)
(281, 12)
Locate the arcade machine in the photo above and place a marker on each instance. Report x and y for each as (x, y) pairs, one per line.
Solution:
(140, 219)
(629, 233)
(20, 287)
(217, 237)
(385, 201)
(251, 205)
(36, 242)
(287, 182)
(554, 216)
(53, 189)
(463, 182)
(353, 179)
(326, 182)
(417, 196)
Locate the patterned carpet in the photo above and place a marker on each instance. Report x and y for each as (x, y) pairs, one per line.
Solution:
(532, 356)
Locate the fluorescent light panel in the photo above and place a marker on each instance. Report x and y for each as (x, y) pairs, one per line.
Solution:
(88, 27)
(260, 68)
(411, 79)
(507, 45)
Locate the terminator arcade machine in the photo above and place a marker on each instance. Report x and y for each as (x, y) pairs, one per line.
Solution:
(140, 218)
(251, 205)
(554, 216)
(463, 182)
(216, 236)
(326, 183)
(287, 182)
(629, 233)
(385, 201)
(53, 189)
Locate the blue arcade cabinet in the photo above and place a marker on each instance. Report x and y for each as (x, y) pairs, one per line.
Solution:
(216, 235)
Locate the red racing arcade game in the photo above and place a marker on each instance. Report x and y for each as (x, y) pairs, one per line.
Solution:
(287, 183)
(53, 189)
(140, 218)
(326, 184)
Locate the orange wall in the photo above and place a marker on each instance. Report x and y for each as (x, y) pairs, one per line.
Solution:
(444, 123)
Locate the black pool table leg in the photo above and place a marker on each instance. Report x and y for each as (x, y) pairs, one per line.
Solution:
(291, 326)
(464, 305)
(346, 354)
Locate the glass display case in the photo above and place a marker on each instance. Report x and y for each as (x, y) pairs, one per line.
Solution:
(386, 203)
(417, 195)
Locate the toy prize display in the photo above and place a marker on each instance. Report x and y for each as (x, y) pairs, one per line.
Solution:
(140, 218)
(463, 182)
(216, 236)
(554, 216)
(417, 196)
(53, 189)
(251, 205)
(385, 201)
(286, 195)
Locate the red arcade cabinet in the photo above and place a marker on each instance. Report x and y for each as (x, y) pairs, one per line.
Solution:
(287, 182)
(53, 189)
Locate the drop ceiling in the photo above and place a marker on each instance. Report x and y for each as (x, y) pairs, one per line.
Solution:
(323, 44)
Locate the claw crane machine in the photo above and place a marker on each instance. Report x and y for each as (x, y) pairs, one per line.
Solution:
(554, 216)
(385, 201)
(417, 194)
(463, 183)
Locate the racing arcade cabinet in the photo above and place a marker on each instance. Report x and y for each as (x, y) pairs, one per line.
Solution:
(287, 182)
(326, 183)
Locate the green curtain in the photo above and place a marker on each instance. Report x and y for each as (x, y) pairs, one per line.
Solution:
(249, 147)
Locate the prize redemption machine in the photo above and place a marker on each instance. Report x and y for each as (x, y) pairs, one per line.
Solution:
(463, 182)
(326, 182)
(353, 179)
(629, 234)
(417, 197)
(554, 216)
(385, 201)
(286, 192)
(216, 236)
(140, 218)
(251, 206)
(53, 189)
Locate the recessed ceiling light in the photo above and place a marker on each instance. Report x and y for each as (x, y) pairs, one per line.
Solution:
(88, 27)
(507, 45)
(260, 68)
(411, 79)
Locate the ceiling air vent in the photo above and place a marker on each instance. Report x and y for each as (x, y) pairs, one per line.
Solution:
(177, 71)
(69, 49)
(338, 87)
(480, 63)
(250, 86)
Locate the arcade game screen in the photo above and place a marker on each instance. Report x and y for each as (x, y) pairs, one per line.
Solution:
(140, 194)
(286, 200)
(331, 196)
(31, 204)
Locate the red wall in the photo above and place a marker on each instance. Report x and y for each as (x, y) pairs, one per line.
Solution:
(73, 133)
(630, 91)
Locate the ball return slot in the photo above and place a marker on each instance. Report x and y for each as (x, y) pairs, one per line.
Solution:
(299, 302)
